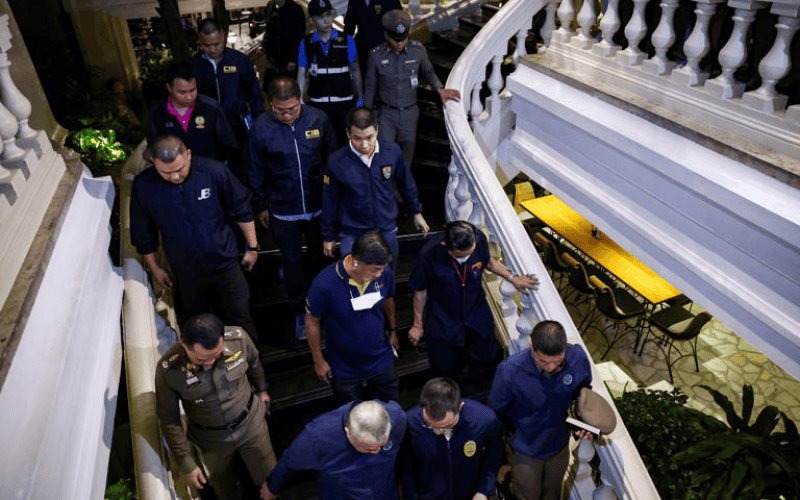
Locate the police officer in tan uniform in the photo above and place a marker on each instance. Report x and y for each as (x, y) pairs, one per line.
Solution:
(215, 372)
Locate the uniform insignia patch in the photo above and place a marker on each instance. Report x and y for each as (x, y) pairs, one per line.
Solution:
(400, 29)
(470, 447)
(387, 446)
(165, 364)
(386, 170)
(326, 179)
(567, 379)
(378, 8)
(200, 122)
(229, 69)
(234, 357)
(234, 364)
(312, 134)
(233, 333)
(192, 381)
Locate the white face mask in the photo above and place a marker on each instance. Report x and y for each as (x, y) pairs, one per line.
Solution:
(461, 260)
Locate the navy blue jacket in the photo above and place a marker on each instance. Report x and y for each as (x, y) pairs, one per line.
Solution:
(343, 471)
(209, 133)
(452, 307)
(368, 20)
(234, 84)
(435, 468)
(361, 199)
(287, 162)
(536, 403)
(194, 219)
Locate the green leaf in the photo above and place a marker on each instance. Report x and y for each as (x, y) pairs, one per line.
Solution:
(766, 421)
(737, 476)
(747, 403)
(756, 477)
(723, 402)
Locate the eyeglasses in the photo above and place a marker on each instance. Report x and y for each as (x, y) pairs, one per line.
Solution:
(442, 429)
(286, 111)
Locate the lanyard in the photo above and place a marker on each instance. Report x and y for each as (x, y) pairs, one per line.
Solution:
(461, 277)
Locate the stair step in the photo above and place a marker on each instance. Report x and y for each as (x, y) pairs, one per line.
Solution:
(490, 8)
(456, 41)
(473, 24)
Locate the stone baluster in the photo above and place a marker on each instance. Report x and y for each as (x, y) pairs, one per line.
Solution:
(546, 32)
(495, 81)
(566, 14)
(584, 482)
(586, 19)
(507, 291)
(525, 321)
(450, 203)
(734, 53)
(475, 104)
(635, 31)
(521, 51)
(463, 198)
(696, 46)
(777, 63)
(8, 131)
(476, 215)
(662, 39)
(608, 26)
(13, 99)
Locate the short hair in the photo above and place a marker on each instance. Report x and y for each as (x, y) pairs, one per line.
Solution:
(283, 88)
(361, 118)
(208, 26)
(549, 338)
(181, 70)
(371, 248)
(459, 235)
(204, 329)
(369, 422)
(165, 148)
(439, 396)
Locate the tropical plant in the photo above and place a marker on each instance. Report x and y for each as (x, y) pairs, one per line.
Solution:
(742, 460)
(121, 490)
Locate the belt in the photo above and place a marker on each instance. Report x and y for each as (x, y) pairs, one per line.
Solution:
(233, 424)
(398, 108)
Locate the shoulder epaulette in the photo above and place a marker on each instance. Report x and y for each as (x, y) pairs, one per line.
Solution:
(233, 332)
(172, 356)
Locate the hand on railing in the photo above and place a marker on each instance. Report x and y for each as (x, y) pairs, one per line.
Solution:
(449, 95)
(420, 224)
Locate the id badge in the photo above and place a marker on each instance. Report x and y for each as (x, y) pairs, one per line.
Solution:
(414, 81)
(366, 301)
(313, 69)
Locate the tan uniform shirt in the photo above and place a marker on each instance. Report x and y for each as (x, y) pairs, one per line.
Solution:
(211, 397)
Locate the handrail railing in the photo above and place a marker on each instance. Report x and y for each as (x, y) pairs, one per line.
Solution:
(475, 194)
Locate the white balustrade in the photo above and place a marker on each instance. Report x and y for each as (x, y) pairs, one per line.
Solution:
(609, 26)
(777, 63)
(566, 14)
(521, 51)
(549, 22)
(463, 198)
(662, 39)
(495, 81)
(475, 105)
(734, 53)
(696, 46)
(586, 19)
(635, 31)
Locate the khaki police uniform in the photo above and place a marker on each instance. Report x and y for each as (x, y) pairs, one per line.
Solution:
(223, 413)
(392, 81)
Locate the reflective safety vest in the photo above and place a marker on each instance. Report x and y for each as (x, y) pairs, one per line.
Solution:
(329, 75)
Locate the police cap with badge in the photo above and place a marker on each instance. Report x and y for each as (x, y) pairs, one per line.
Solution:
(397, 24)
(592, 413)
(319, 7)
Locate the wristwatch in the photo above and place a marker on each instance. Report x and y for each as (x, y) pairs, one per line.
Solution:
(256, 248)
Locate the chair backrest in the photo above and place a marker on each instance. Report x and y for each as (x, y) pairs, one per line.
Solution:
(606, 302)
(550, 256)
(540, 241)
(693, 328)
(578, 277)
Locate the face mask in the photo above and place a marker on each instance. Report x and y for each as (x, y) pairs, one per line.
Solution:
(461, 260)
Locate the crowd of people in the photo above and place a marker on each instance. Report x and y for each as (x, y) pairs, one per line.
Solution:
(326, 160)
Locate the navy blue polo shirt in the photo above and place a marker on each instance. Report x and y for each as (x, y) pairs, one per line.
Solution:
(343, 471)
(194, 219)
(434, 467)
(536, 403)
(355, 343)
(455, 295)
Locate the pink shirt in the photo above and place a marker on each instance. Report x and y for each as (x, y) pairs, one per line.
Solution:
(183, 119)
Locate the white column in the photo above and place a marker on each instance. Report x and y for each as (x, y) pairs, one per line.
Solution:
(635, 31)
(584, 482)
(450, 202)
(777, 63)
(608, 26)
(663, 38)
(549, 22)
(586, 19)
(696, 46)
(734, 53)
(495, 81)
(476, 215)
(521, 51)
(475, 104)
(566, 13)
(463, 197)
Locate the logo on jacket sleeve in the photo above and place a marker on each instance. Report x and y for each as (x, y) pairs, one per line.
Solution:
(205, 193)
(386, 170)
(470, 447)
(567, 379)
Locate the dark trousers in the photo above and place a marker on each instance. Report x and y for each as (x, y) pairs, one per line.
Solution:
(472, 361)
(384, 386)
(224, 293)
(298, 272)
(400, 126)
(337, 114)
(534, 479)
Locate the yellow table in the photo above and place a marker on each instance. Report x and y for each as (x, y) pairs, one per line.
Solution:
(578, 231)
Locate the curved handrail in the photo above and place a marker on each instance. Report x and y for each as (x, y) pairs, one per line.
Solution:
(621, 463)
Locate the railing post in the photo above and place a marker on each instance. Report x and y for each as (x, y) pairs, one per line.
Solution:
(777, 63)
(608, 26)
(696, 46)
(635, 31)
(566, 13)
(495, 81)
(662, 39)
(521, 51)
(475, 104)
(734, 53)
(463, 197)
(549, 22)
(586, 19)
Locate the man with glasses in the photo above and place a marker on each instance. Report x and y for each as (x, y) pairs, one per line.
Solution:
(289, 146)
(354, 448)
(453, 446)
(533, 389)
(192, 204)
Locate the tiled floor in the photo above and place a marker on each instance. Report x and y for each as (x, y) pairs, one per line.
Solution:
(726, 362)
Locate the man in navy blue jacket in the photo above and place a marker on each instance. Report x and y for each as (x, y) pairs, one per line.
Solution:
(288, 148)
(191, 203)
(533, 389)
(357, 192)
(354, 448)
(453, 447)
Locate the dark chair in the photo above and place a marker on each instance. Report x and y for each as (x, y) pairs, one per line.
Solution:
(584, 293)
(676, 324)
(550, 257)
(619, 307)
